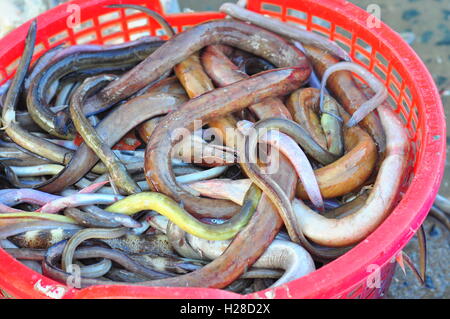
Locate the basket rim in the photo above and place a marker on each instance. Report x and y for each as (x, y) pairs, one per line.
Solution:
(378, 248)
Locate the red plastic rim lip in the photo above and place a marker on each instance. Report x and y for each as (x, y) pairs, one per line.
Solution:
(330, 280)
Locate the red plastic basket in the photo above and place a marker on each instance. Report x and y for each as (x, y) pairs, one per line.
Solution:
(364, 272)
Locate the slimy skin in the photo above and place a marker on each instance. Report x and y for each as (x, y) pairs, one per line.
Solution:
(167, 207)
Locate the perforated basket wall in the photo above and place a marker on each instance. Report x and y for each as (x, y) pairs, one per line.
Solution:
(366, 271)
